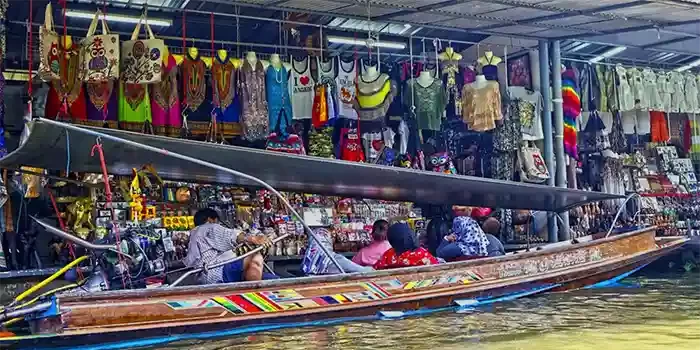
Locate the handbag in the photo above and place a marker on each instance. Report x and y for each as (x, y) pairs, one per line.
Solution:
(532, 166)
(49, 64)
(142, 60)
(100, 53)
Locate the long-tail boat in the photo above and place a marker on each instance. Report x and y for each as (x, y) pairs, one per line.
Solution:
(133, 318)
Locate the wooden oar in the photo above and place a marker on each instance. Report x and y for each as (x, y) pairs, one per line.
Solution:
(222, 263)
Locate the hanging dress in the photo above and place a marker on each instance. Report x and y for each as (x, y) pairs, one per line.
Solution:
(70, 88)
(254, 115)
(691, 94)
(225, 82)
(651, 90)
(663, 82)
(302, 89)
(278, 101)
(677, 92)
(165, 101)
(102, 104)
(323, 107)
(636, 81)
(624, 90)
(347, 89)
(194, 97)
(134, 107)
(327, 75)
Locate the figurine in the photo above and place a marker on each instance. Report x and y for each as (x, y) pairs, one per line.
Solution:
(441, 163)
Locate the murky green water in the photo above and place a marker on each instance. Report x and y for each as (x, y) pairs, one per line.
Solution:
(661, 312)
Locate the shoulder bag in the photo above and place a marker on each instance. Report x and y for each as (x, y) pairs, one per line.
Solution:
(48, 48)
(142, 60)
(100, 53)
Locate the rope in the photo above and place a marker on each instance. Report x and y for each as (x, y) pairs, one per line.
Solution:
(62, 224)
(30, 53)
(108, 195)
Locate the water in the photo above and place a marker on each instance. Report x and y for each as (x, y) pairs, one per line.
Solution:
(655, 312)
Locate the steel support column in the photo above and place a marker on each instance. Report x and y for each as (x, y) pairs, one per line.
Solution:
(548, 151)
(560, 161)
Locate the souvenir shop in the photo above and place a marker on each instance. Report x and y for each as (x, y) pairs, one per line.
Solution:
(432, 111)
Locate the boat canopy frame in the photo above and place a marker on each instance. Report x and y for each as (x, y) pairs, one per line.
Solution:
(56, 145)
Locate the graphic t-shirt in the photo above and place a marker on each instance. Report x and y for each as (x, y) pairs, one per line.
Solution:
(302, 89)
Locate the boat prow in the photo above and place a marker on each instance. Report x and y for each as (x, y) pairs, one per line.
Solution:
(125, 319)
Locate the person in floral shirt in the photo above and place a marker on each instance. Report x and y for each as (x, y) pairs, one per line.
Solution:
(404, 251)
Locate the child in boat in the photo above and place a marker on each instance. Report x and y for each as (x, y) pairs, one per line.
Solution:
(491, 228)
(404, 251)
(211, 242)
(369, 255)
(316, 262)
(467, 240)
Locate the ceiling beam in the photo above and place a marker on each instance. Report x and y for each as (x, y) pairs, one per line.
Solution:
(668, 42)
(568, 14)
(426, 8)
(637, 29)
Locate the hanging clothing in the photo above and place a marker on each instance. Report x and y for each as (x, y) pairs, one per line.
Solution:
(624, 90)
(134, 106)
(319, 117)
(651, 90)
(571, 106)
(302, 89)
(430, 102)
(481, 107)
(373, 100)
(350, 146)
(165, 101)
(195, 95)
(278, 100)
(636, 81)
(70, 88)
(469, 75)
(691, 94)
(327, 76)
(227, 108)
(254, 116)
(659, 127)
(102, 104)
(604, 87)
(3, 149)
(490, 70)
(663, 83)
(347, 89)
(320, 143)
(530, 112)
(677, 93)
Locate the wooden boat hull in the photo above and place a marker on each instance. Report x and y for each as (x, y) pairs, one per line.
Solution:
(157, 316)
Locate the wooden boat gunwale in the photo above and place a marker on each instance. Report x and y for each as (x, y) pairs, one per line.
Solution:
(556, 248)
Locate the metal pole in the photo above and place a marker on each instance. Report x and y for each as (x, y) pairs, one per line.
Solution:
(559, 130)
(547, 128)
(167, 153)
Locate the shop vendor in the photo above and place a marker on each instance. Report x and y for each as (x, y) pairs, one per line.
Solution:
(211, 242)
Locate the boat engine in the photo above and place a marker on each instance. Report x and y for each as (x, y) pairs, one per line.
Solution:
(144, 256)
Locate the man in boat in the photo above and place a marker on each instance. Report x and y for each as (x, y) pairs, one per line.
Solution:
(211, 242)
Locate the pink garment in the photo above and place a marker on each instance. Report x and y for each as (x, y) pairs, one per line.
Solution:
(369, 255)
(165, 101)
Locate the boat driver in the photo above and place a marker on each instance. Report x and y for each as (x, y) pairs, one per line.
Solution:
(211, 242)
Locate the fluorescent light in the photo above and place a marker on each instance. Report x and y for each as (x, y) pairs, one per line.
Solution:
(580, 46)
(118, 18)
(358, 42)
(607, 54)
(688, 66)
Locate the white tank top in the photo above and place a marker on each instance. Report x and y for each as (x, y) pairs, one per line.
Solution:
(346, 80)
(301, 89)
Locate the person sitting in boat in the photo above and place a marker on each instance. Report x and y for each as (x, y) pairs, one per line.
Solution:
(211, 242)
(491, 228)
(404, 251)
(369, 255)
(316, 262)
(467, 240)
